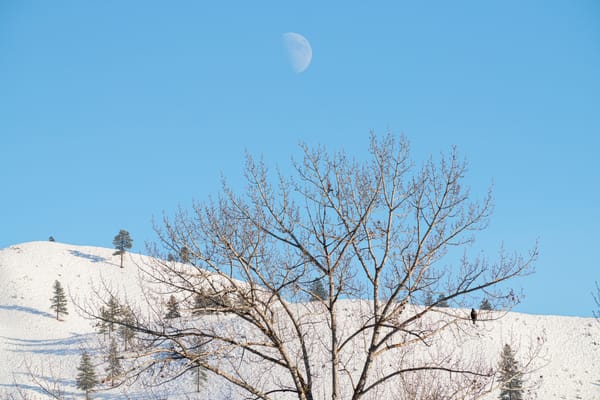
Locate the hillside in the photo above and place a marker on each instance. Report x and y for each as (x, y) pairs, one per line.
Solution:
(33, 344)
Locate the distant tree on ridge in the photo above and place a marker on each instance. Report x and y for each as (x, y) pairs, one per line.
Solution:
(59, 300)
(122, 242)
(184, 255)
(428, 300)
(596, 296)
(485, 305)
(317, 291)
(441, 302)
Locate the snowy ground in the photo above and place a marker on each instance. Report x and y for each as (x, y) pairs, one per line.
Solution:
(34, 346)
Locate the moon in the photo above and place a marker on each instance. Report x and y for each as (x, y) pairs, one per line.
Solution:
(298, 51)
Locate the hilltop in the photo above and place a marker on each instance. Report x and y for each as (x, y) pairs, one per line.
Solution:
(34, 344)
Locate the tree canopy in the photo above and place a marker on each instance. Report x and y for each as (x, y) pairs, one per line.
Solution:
(377, 230)
(122, 242)
(59, 300)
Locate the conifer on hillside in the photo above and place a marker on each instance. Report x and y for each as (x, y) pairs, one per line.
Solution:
(113, 369)
(184, 255)
(511, 378)
(86, 378)
(109, 316)
(122, 242)
(59, 300)
(317, 291)
(485, 305)
(202, 301)
(441, 302)
(428, 300)
(172, 308)
(199, 371)
(126, 329)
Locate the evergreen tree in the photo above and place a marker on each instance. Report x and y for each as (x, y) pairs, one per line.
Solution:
(109, 316)
(126, 329)
(317, 291)
(510, 377)
(113, 312)
(199, 372)
(485, 305)
(102, 324)
(59, 300)
(428, 301)
(172, 308)
(202, 301)
(86, 378)
(184, 255)
(122, 242)
(113, 369)
(441, 302)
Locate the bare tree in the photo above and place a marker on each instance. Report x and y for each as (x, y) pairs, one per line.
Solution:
(596, 296)
(383, 231)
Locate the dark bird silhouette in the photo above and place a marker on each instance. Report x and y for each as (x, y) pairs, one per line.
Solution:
(473, 315)
(329, 189)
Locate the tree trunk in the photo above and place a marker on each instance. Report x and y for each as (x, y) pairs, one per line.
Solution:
(334, 342)
(198, 379)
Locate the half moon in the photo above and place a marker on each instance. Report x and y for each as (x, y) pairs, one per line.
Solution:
(298, 51)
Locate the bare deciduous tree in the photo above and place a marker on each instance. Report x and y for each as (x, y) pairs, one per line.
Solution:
(382, 231)
(596, 296)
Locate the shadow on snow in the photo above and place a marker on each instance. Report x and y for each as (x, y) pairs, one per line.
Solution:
(29, 310)
(87, 256)
(59, 347)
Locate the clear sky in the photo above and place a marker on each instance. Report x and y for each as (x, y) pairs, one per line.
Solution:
(112, 112)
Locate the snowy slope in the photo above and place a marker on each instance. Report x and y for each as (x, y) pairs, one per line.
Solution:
(34, 344)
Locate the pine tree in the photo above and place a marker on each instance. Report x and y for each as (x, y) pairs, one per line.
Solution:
(440, 302)
(126, 331)
(510, 377)
(317, 291)
(428, 300)
(172, 308)
(485, 305)
(59, 300)
(102, 324)
(199, 372)
(113, 369)
(202, 301)
(112, 314)
(184, 255)
(86, 378)
(122, 242)
(109, 316)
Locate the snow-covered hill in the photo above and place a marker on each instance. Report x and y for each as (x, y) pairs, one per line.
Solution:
(36, 348)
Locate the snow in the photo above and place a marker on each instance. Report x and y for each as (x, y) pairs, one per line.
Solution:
(33, 344)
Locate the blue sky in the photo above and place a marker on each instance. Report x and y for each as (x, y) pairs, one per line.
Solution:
(112, 112)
